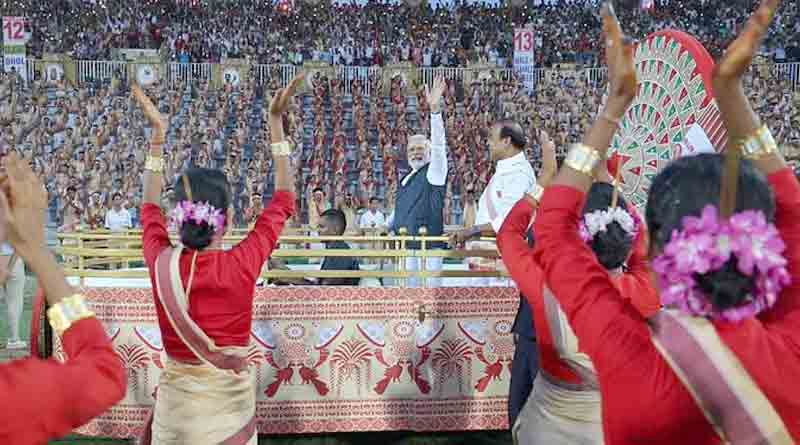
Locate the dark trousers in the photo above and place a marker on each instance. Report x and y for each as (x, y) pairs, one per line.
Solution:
(523, 370)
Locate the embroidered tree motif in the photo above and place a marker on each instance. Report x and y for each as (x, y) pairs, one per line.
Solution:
(134, 357)
(452, 359)
(347, 361)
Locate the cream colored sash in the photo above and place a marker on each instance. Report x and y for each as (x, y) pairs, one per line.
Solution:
(730, 399)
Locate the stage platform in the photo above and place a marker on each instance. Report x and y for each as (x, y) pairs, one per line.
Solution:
(361, 358)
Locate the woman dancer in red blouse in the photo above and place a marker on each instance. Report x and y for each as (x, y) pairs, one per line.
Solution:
(204, 294)
(722, 362)
(565, 406)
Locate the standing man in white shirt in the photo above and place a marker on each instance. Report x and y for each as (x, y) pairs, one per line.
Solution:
(513, 178)
(118, 219)
(12, 290)
(420, 197)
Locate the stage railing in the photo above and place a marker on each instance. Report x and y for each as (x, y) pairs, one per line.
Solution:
(109, 255)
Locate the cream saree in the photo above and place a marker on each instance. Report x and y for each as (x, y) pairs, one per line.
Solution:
(211, 402)
(558, 412)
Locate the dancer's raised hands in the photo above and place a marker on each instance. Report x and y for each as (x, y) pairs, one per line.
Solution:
(622, 81)
(157, 121)
(280, 102)
(739, 54)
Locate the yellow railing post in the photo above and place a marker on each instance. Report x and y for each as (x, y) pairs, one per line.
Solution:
(423, 233)
(402, 258)
(80, 256)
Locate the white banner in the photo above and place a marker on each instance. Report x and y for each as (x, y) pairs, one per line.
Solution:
(524, 51)
(14, 39)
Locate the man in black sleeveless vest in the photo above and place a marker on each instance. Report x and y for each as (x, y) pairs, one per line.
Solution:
(420, 197)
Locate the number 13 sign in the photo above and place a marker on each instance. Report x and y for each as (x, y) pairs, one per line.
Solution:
(13, 31)
(523, 41)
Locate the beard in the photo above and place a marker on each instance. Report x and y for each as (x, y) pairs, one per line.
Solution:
(417, 164)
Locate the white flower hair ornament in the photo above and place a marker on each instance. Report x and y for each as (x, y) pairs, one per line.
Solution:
(599, 220)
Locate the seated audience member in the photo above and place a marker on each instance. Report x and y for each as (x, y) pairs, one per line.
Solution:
(373, 217)
(333, 223)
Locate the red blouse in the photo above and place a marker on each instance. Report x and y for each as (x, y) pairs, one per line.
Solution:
(45, 399)
(643, 400)
(634, 285)
(221, 298)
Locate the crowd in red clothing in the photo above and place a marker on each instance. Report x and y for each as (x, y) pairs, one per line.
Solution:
(87, 137)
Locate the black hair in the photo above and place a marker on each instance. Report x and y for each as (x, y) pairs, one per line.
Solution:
(512, 130)
(684, 188)
(337, 217)
(208, 185)
(612, 247)
(114, 196)
(317, 189)
(375, 199)
(71, 188)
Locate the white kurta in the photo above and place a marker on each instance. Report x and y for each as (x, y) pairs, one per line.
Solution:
(513, 178)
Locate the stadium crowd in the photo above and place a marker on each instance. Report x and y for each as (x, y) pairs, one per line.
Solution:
(373, 32)
(86, 141)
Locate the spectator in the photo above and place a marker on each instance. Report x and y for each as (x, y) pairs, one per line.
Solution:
(373, 218)
(334, 223)
(118, 219)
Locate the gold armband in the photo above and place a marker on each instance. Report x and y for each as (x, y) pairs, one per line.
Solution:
(67, 312)
(154, 164)
(283, 148)
(582, 159)
(759, 144)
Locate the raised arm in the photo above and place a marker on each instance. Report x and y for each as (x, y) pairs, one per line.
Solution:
(259, 243)
(437, 170)
(744, 125)
(513, 246)
(49, 398)
(154, 165)
(609, 329)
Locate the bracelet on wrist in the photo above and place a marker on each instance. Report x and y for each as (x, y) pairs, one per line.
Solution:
(759, 144)
(582, 159)
(154, 164)
(67, 312)
(283, 148)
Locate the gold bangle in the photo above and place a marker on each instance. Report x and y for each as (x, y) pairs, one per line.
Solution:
(582, 159)
(759, 144)
(154, 164)
(67, 312)
(282, 148)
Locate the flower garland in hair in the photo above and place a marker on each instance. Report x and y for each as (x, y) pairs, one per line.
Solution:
(599, 220)
(707, 243)
(198, 213)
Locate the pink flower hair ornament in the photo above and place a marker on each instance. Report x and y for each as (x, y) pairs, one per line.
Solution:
(198, 213)
(705, 244)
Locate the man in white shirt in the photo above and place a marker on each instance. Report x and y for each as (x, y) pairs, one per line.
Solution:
(118, 219)
(12, 290)
(372, 218)
(513, 178)
(420, 197)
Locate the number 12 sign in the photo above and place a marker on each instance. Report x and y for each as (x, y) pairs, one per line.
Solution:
(13, 31)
